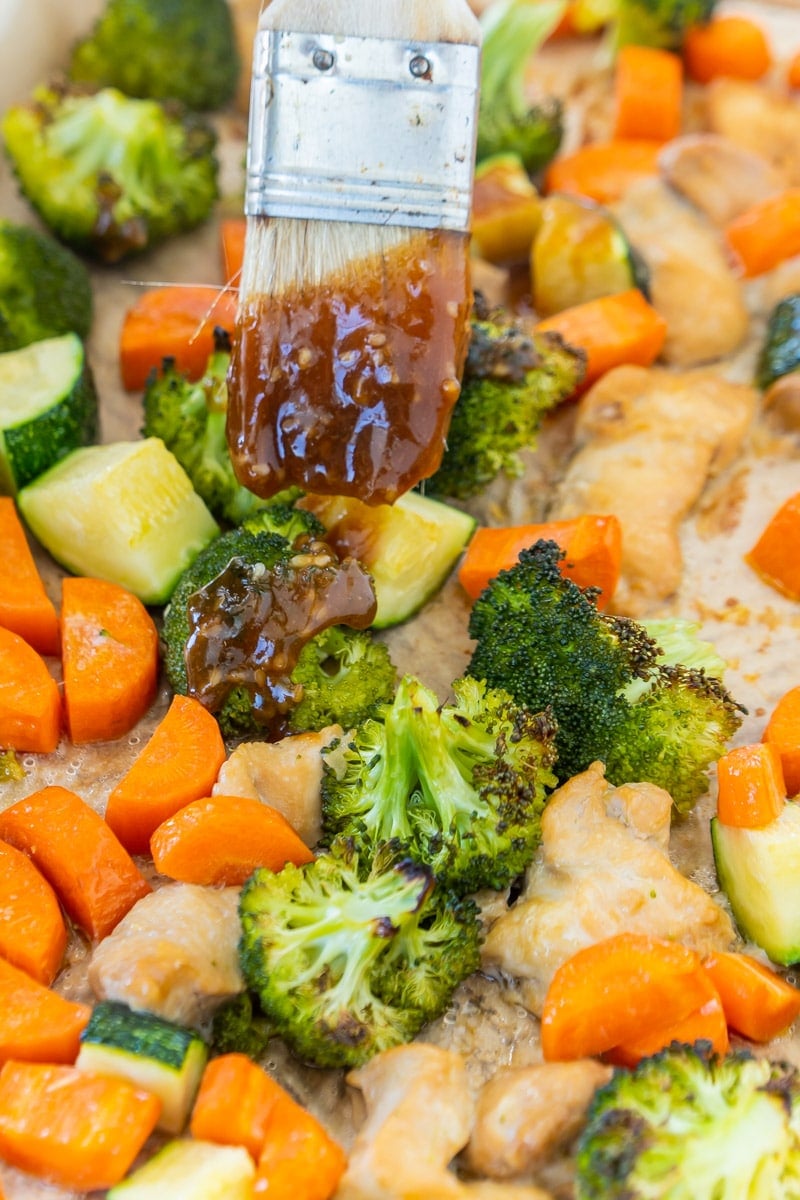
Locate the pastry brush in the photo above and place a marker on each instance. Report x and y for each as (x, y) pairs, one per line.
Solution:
(353, 318)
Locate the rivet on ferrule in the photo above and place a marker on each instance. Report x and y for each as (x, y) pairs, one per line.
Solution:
(420, 67)
(323, 60)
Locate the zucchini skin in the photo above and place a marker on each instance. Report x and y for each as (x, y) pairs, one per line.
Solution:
(34, 446)
(780, 353)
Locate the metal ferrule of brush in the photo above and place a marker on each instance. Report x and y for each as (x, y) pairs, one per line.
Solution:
(362, 129)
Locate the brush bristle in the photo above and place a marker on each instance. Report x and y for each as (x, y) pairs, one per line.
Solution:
(417, 20)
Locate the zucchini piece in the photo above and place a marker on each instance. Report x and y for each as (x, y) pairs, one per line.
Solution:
(48, 407)
(409, 547)
(163, 1058)
(505, 210)
(580, 253)
(780, 352)
(125, 512)
(759, 871)
(190, 1169)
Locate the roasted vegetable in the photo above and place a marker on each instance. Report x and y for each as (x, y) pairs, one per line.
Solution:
(44, 289)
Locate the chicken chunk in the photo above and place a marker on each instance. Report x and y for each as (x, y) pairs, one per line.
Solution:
(175, 954)
(285, 774)
(692, 283)
(419, 1115)
(759, 120)
(646, 441)
(602, 869)
(525, 1114)
(717, 176)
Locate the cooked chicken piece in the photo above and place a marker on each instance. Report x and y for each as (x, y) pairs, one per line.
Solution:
(719, 177)
(692, 283)
(285, 774)
(759, 120)
(419, 1115)
(525, 1114)
(782, 401)
(647, 439)
(602, 869)
(175, 954)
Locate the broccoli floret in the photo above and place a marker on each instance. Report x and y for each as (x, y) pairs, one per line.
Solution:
(544, 639)
(659, 23)
(110, 175)
(162, 49)
(508, 120)
(239, 1027)
(678, 644)
(250, 602)
(190, 420)
(511, 379)
(345, 674)
(690, 1126)
(462, 786)
(347, 962)
(11, 770)
(44, 289)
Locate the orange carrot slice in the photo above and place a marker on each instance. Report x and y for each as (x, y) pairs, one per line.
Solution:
(222, 839)
(766, 233)
(180, 763)
(36, 1023)
(706, 1024)
(751, 788)
(33, 935)
(216, 1119)
(299, 1160)
(232, 231)
(173, 322)
(593, 546)
(776, 554)
(783, 732)
(70, 1127)
(758, 1003)
(604, 171)
(25, 607)
(613, 330)
(648, 93)
(730, 45)
(30, 706)
(793, 71)
(110, 659)
(95, 878)
(618, 989)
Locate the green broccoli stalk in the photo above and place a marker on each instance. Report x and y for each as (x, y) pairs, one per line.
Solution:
(162, 49)
(511, 379)
(659, 23)
(688, 1126)
(544, 638)
(346, 962)
(239, 1027)
(460, 786)
(44, 289)
(344, 675)
(110, 175)
(270, 569)
(508, 122)
(190, 420)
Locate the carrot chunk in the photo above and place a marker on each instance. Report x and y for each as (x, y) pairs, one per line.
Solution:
(730, 45)
(613, 330)
(70, 1127)
(752, 792)
(110, 659)
(766, 233)
(616, 990)
(232, 231)
(776, 554)
(180, 763)
(793, 71)
(593, 546)
(648, 93)
(758, 1003)
(25, 607)
(604, 171)
(173, 322)
(33, 935)
(92, 874)
(216, 1119)
(222, 839)
(706, 1024)
(36, 1023)
(30, 706)
(783, 732)
(299, 1161)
